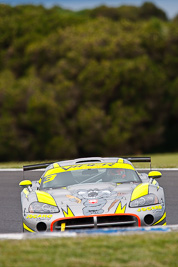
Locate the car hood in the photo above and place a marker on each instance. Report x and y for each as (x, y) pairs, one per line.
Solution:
(89, 199)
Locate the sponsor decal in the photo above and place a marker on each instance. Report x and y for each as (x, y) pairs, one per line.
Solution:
(97, 165)
(93, 201)
(158, 207)
(74, 167)
(42, 216)
(85, 166)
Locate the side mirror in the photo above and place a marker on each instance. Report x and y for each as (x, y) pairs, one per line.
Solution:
(154, 174)
(25, 183)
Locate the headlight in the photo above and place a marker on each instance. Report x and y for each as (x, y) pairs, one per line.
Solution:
(37, 207)
(147, 200)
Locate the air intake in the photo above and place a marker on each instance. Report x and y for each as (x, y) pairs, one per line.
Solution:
(88, 160)
(83, 161)
(100, 221)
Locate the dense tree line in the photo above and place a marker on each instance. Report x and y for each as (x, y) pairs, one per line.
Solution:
(95, 82)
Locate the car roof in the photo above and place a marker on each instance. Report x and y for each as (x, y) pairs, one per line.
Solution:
(90, 160)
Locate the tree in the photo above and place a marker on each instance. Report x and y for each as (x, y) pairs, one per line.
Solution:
(149, 10)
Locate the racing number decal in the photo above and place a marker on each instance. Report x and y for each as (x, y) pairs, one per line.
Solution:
(50, 178)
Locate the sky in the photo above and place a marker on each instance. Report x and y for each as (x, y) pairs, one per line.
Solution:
(169, 6)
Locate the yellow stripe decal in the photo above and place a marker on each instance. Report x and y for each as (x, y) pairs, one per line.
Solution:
(63, 226)
(90, 166)
(162, 218)
(120, 209)
(56, 165)
(26, 192)
(27, 228)
(154, 182)
(69, 213)
(54, 171)
(120, 161)
(45, 198)
(140, 191)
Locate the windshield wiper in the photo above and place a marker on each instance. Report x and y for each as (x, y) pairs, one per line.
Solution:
(90, 178)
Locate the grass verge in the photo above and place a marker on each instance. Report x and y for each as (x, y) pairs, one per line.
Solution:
(168, 160)
(125, 250)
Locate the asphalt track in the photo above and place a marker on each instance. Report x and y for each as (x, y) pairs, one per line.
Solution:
(10, 207)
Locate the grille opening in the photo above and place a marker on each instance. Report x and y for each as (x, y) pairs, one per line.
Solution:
(108, 219)
(77, 221)
(97, 222)
(117, 221)
(148, 219)
(41, 227)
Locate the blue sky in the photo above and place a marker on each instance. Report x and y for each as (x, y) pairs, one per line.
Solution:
(169, 6)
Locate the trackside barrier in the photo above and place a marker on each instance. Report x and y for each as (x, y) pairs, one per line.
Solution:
(114, 231)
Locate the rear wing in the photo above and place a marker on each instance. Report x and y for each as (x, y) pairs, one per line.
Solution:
(44, 165)
(140, 159)
(36, 166)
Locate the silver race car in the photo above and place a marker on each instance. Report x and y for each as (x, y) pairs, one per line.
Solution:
(91, 193)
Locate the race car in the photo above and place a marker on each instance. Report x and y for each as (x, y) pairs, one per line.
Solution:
(88, 193)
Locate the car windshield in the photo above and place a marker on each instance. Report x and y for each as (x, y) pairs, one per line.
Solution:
(94, 175)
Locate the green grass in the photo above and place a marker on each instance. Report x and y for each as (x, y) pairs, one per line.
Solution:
(125, 250)
(168, 160)
(4, 165)
(165, 160)
(158, 161)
